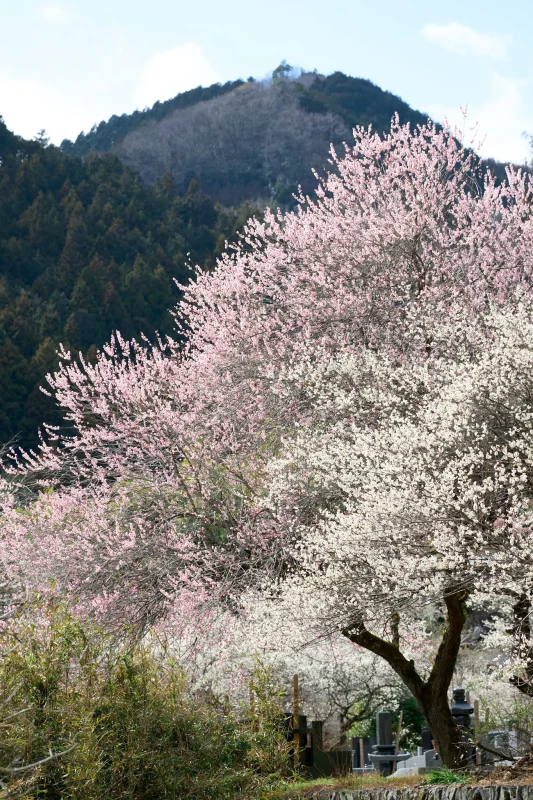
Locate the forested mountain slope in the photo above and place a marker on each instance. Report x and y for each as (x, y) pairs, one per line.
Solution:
(253, 140)
(85, 249)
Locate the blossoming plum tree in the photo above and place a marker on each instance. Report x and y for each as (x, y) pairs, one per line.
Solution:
(411, 486)
(344, 421)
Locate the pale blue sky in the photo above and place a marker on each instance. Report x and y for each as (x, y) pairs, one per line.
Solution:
(65, 64)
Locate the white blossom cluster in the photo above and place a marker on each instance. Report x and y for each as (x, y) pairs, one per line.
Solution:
(337, 679)
(410, 480)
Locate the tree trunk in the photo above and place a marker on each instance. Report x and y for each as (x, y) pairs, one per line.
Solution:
(447, 736)
(521, 631)
(431, 695)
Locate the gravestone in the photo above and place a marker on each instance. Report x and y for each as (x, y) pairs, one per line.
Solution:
(461, 710)
(384, 755)
(426, 740)
(360, 748)
(462, 713)
(384, 728)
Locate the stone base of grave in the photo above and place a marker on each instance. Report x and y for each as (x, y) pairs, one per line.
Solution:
(418, 765)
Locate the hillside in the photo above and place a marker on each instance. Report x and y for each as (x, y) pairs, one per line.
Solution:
(247, 140)
(85, 249)
(102, 137)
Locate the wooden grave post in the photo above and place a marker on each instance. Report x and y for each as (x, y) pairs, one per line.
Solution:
(477, 734)
(296, 719)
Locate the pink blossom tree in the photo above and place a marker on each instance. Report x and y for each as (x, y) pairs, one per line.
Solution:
(192, 472)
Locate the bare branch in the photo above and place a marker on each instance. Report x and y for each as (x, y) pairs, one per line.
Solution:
(51, 757)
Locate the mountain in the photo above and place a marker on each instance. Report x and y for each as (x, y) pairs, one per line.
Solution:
(85, 249)
(247, 140)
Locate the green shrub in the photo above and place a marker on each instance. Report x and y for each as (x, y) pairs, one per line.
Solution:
(137, 730)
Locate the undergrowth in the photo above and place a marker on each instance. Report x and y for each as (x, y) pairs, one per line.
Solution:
(122, 723)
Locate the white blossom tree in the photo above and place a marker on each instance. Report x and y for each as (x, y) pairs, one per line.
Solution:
(411, 485)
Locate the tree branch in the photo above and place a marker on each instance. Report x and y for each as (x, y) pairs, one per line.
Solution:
(16, 770)
(395, 629)
(390, 653)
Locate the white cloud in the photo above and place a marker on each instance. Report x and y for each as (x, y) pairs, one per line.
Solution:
(465, 41)
(501, 119)
(29, 104)
(53, 14)
(172, 71)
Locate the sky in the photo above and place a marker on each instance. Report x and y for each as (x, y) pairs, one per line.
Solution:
(67, 64)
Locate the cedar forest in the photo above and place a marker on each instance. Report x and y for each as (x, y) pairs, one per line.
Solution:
(86, 249)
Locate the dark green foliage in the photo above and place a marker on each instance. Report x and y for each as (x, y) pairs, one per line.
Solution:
(413, 721)
(357, 101)
(11, 145)
(86, 249)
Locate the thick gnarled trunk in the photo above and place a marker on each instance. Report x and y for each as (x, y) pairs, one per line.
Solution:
(432, 694)
(447, 736)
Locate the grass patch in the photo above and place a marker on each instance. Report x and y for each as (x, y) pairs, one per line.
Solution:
(302, 788)
(444, 775)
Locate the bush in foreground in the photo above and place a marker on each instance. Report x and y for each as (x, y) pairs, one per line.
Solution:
(122, 723)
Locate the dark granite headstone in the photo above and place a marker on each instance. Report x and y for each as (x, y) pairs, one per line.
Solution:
(384, 727)
(461, 709)
(384, 754)
(427, 739)
(462, 713)
(321, 762)
(356, 752)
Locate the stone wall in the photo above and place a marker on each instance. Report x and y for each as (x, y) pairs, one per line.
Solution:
(450, 792)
